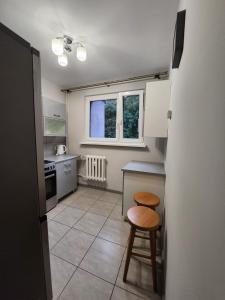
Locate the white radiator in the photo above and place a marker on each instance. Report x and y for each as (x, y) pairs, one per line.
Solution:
(95, 167)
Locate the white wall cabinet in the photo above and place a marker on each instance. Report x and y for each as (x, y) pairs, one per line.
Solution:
(54, 109)
(54, 118)
(54, 127)
(157, 101)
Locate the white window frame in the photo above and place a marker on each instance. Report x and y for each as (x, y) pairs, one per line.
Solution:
(119, 140)
(89, 99)
(140, 120)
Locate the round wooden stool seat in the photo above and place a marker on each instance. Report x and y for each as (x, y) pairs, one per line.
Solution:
(146, 199)
(143, 218)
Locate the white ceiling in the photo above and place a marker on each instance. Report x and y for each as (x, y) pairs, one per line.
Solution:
(124, 37)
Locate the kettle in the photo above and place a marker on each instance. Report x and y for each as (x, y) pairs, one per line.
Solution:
(60, 149)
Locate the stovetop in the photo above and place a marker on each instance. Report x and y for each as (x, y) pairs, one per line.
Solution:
(48, 161)
(49, 165)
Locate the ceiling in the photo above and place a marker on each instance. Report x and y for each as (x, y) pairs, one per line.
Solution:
(125, 38)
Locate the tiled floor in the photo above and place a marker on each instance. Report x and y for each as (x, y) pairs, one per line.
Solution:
(88, 238)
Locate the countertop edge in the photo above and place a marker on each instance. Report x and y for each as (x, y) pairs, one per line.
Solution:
(58, 159)
(144, 172)
(135, 169)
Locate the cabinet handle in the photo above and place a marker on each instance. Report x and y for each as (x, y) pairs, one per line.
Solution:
(67, 165)
(68, 171)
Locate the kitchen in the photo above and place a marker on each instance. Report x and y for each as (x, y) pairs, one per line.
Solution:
(108, 137)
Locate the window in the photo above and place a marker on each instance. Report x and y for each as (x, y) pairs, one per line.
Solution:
(103, 118)
(116, 118)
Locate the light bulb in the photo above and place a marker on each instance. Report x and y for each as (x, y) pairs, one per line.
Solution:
(81, 53)
(63, 60)
(58, 46)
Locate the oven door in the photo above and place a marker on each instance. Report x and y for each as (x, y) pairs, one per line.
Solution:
(50, 186)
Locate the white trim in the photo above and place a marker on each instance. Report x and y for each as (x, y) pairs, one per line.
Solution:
(114, 144)
(140, 93)
(119, 140)
(88, 100)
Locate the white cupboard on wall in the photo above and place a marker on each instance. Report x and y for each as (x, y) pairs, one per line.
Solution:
(157, 101)
(54, 118)
(54, 109)
(53, 127)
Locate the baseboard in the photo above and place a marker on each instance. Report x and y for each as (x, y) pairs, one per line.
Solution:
(100, 188)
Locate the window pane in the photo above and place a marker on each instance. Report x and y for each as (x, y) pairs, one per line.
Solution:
(103, 118)
(130, 116)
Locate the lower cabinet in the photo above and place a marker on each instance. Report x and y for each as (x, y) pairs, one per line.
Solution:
(66, 172)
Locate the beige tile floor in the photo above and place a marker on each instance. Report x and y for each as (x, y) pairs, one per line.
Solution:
(88, 239)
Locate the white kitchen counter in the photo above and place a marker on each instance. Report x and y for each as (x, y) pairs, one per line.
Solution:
(144, 167)
(139, 176)
(60, 158)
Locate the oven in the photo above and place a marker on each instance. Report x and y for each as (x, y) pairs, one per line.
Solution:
(50, 184)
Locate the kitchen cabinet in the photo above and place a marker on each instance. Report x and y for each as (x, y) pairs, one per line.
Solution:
(54, 115)
(157, 101)
(54, 109)
(66, 172)
(54, 127)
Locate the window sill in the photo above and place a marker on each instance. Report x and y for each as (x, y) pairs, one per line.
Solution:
(114, 144)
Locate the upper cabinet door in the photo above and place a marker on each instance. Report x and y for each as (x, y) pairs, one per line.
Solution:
(156, 108)
(54, 109)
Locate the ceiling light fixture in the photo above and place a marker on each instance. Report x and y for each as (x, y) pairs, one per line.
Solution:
(58, 46)
(62, 46)
(81, 53)
(63, 60)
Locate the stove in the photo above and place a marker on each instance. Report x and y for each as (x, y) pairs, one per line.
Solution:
(50, 184)
(49, 165)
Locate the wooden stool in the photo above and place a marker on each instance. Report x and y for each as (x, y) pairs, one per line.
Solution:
(146, 199)
(144, 219)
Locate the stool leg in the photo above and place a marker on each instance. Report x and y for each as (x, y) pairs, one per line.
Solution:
(153, 258)
(129, 250)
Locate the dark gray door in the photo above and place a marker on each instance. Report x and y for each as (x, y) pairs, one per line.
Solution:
(21, 257)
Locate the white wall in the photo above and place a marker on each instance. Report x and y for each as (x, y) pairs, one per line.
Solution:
(52, 91)
(195, 187)
(116, 157)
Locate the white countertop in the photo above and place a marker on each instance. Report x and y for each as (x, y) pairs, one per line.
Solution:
(145, 167)
(60, 158)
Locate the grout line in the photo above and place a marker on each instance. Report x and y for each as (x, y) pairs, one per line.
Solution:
(95, 237)
(66, 283)
(78, 267)
(139, 296)
(71, 226)
(117, 274)
(60, 238)
(95, 275)
(92, 243)
(56, 221)
(56, 213)
(65, 260)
